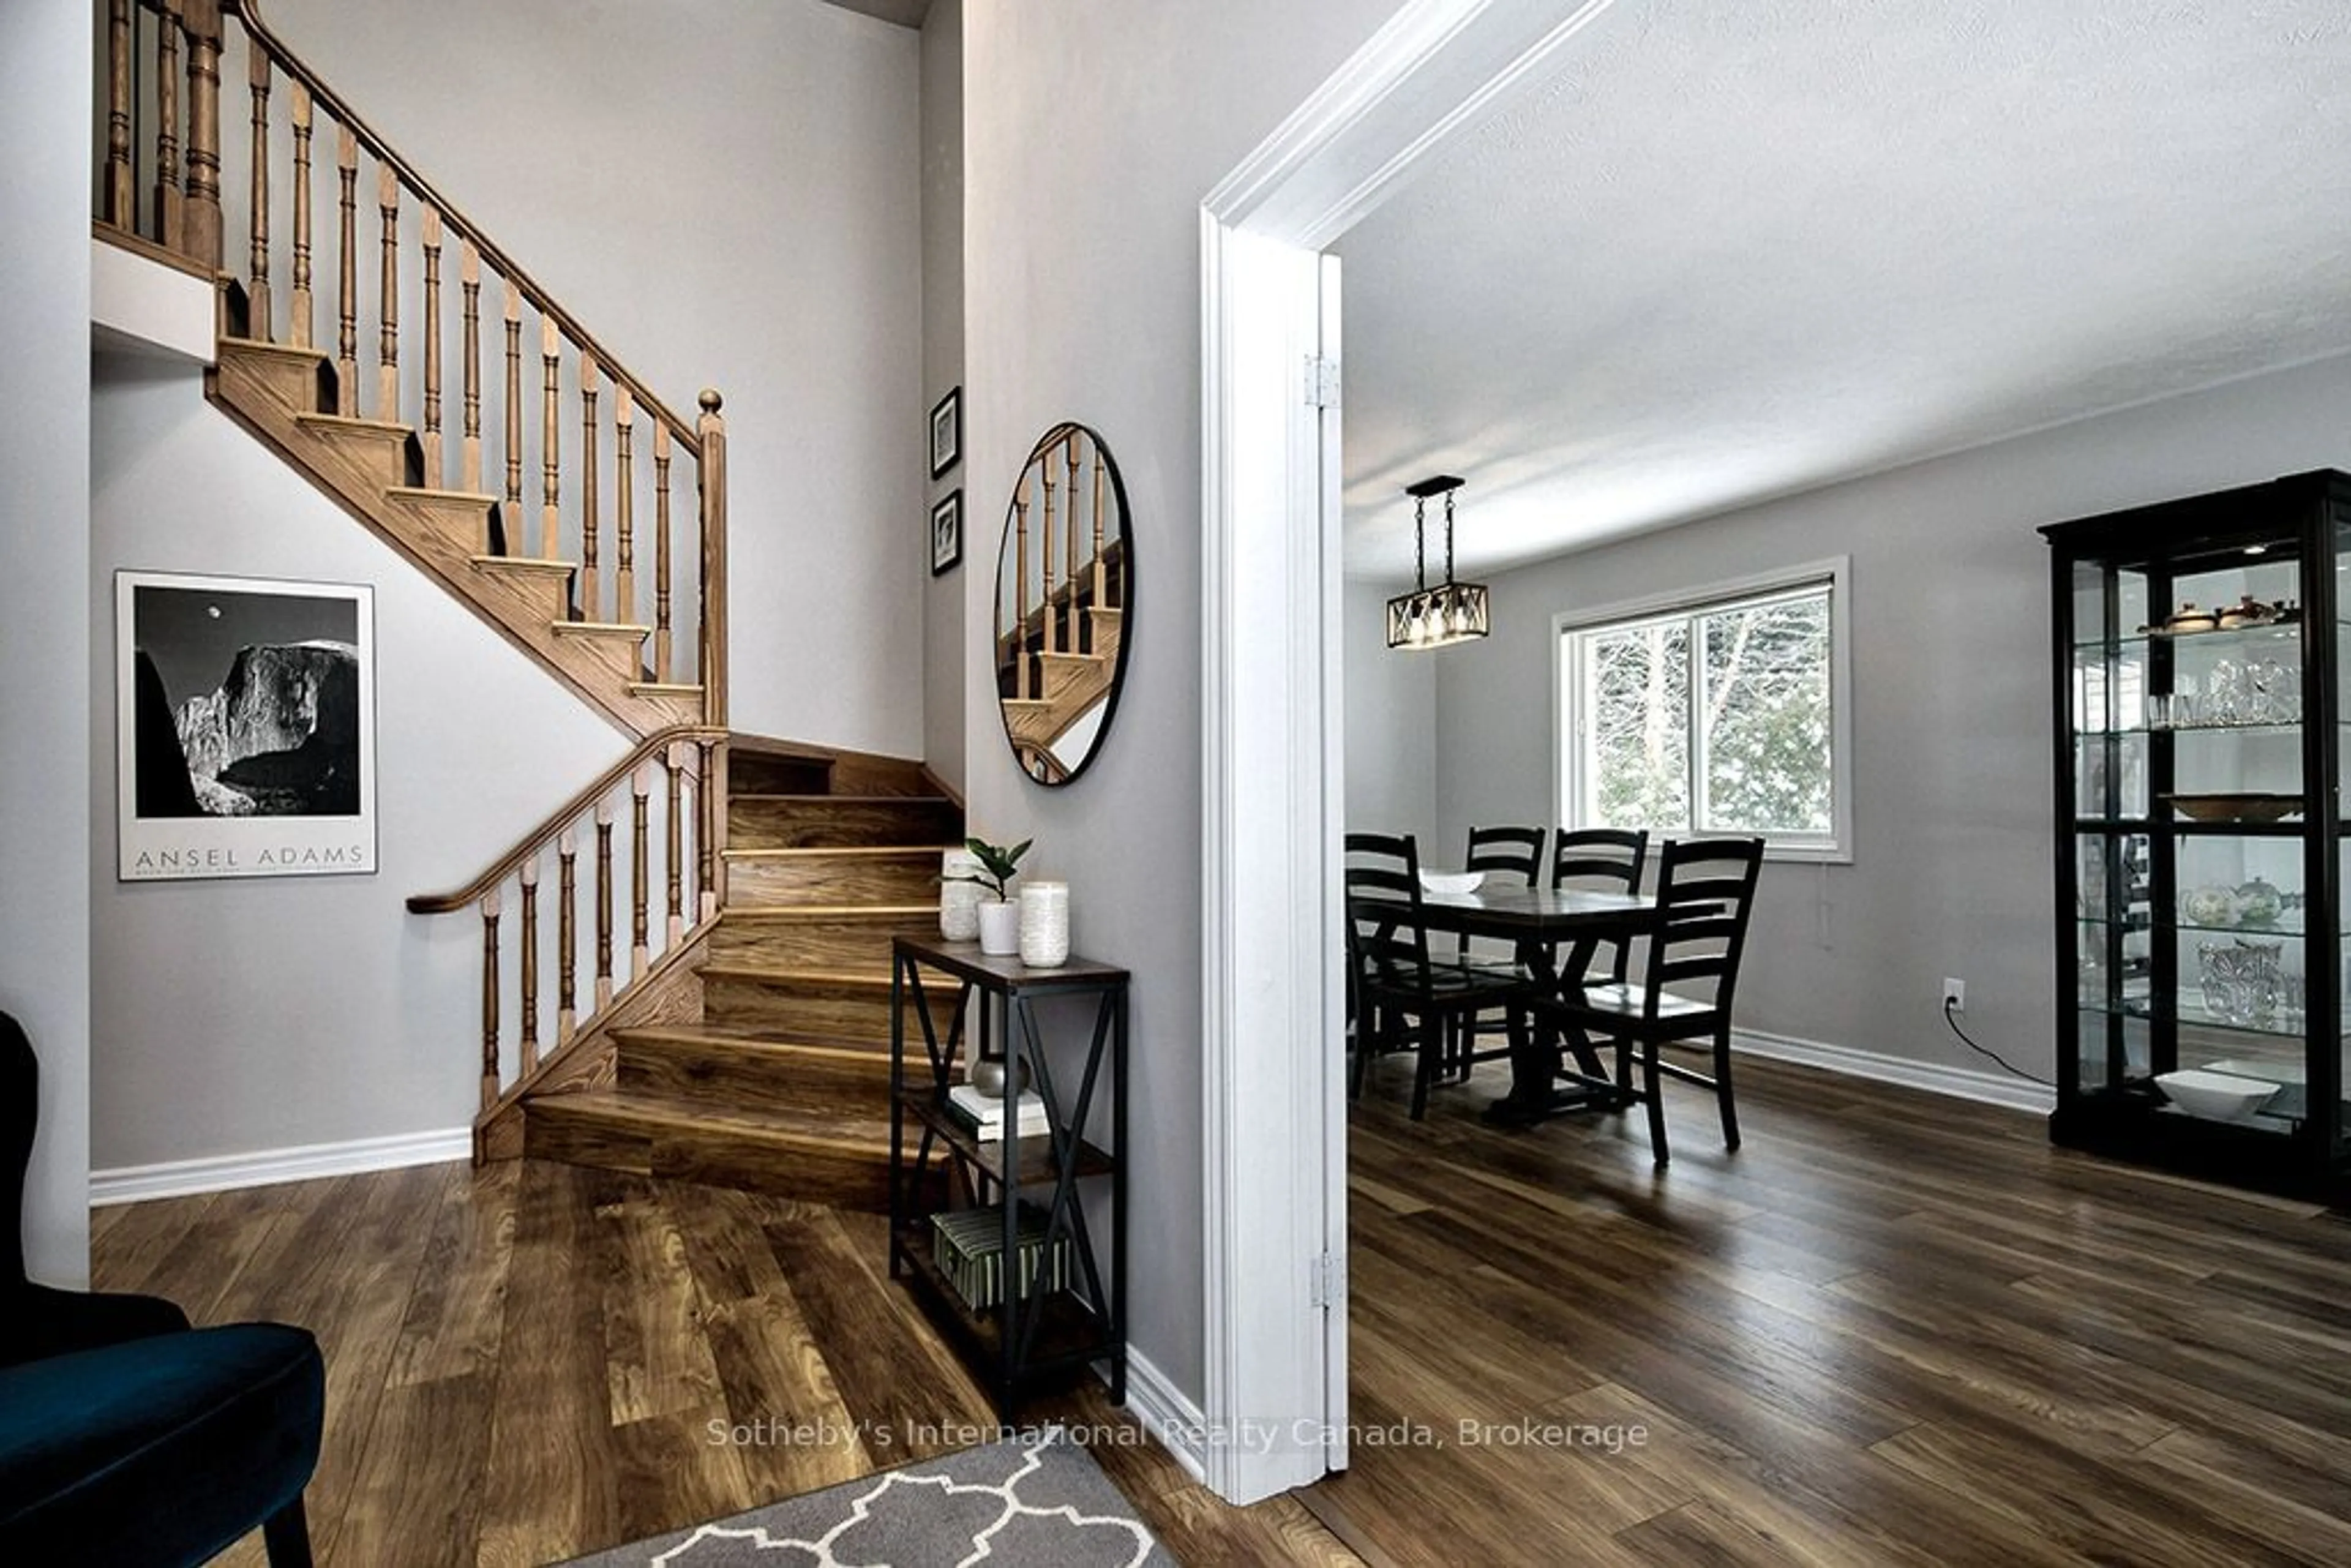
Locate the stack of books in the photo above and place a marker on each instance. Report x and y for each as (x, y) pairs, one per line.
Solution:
(985, 1114)
(969, 1247)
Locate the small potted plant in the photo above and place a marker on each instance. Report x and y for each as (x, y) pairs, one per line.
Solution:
(999, 919)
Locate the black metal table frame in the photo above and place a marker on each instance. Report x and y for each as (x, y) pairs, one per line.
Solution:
(1011, 1025)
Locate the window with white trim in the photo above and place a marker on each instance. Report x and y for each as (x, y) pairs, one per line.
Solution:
(1720, 713)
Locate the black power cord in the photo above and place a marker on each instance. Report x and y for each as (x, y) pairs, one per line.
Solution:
(1950, 1009)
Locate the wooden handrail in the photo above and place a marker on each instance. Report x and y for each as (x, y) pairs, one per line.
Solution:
(455, 218)
(539, 838)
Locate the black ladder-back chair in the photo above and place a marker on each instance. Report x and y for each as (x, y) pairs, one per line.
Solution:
(1514, 855)
(1706, 890)
(1401, 995)
(1602, 860)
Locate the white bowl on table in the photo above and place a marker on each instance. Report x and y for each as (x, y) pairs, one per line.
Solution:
(1451, 882)
(2220, 1096)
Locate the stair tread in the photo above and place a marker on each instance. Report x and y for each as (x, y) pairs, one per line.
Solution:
(793, 914)
(649, 1108)
(665, 688)
(430, 492)
(524, 563)
(873, 852)
(352, 421)
(601, 629)
(288, 350)
(756, 1041)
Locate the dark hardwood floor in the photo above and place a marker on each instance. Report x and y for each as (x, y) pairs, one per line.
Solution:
(528, 1363)
(1893, 1328)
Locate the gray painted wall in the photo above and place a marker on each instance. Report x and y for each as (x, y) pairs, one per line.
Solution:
(1951, 871)
(942, 611)
(1083, 302)
(237, 1017)
(727, 193)
(44, 85)
(1391, 727)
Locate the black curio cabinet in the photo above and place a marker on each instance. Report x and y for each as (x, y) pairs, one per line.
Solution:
(2200, 920)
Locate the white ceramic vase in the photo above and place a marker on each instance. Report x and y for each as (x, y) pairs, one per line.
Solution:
(999, 927)
(959, 901)
(1044, 923)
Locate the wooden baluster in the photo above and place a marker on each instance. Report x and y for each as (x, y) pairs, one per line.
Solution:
(469, 278)
(624, 501)
(167, 125)
(603, 904)
(529, 1048)
(592, 597)
(1101, 504)
(489, 998)
(639, 869)
(676, 842)
(257, 78)
(1075, 643)
(347, 340)
(298, 330)
(1021, 589)
(712, 430)
(550, 440)
(514, 420)
(432, 438)
(706, 833)
(661, 552)
(122, 195)
(200, 236)
(387, 200)
(567, 936)
(1047, 644)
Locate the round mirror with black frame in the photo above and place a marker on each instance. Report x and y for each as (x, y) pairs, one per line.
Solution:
(1064, 585)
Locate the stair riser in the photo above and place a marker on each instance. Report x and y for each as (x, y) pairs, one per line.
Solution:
(383, 458)
(752, 1080)
(815, 945)
(618, 659)
(835, 879)
(299, 384)
(755, 822)
(719, 1157)
(813, 1014)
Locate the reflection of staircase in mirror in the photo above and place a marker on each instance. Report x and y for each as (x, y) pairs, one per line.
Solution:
(1062, 604)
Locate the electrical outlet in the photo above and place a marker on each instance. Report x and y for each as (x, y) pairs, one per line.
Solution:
(1955, 995)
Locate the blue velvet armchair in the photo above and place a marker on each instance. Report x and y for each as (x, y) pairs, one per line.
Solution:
(126, 1437)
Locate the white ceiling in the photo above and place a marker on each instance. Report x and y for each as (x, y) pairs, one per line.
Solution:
(1733, 251)
(905, 12)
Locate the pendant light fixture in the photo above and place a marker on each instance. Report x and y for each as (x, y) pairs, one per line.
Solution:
(1451, 612)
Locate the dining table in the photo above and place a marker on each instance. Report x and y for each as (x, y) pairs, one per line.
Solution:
(1555, 932)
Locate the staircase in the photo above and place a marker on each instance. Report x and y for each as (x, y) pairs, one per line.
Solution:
(289, 396)
(684, 968)
(780, 1079)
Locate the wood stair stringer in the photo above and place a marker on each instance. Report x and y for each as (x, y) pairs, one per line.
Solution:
(371, 469)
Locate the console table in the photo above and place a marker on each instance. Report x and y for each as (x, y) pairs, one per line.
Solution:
(954, 993)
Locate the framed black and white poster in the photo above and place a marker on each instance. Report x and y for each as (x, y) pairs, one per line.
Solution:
(947, 433)
(946, 532)
(244, 727)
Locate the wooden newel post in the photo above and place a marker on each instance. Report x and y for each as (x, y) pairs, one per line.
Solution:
(712, 430)
(201, 230)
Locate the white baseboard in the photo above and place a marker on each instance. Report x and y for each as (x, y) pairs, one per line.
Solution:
(1961, 1083)
(1167, 1414)
(220, 1173)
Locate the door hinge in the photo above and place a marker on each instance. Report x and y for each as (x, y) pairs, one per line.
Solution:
(1322, 382)
(1326, 1281)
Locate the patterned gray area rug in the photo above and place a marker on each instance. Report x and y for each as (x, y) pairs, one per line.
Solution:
(1037, 1501)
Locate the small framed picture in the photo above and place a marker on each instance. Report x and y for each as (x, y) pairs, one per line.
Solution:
(946, 532)
(947, 433)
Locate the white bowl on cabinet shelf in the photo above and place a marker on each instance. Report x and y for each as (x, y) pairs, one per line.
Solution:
(2216, 1096)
